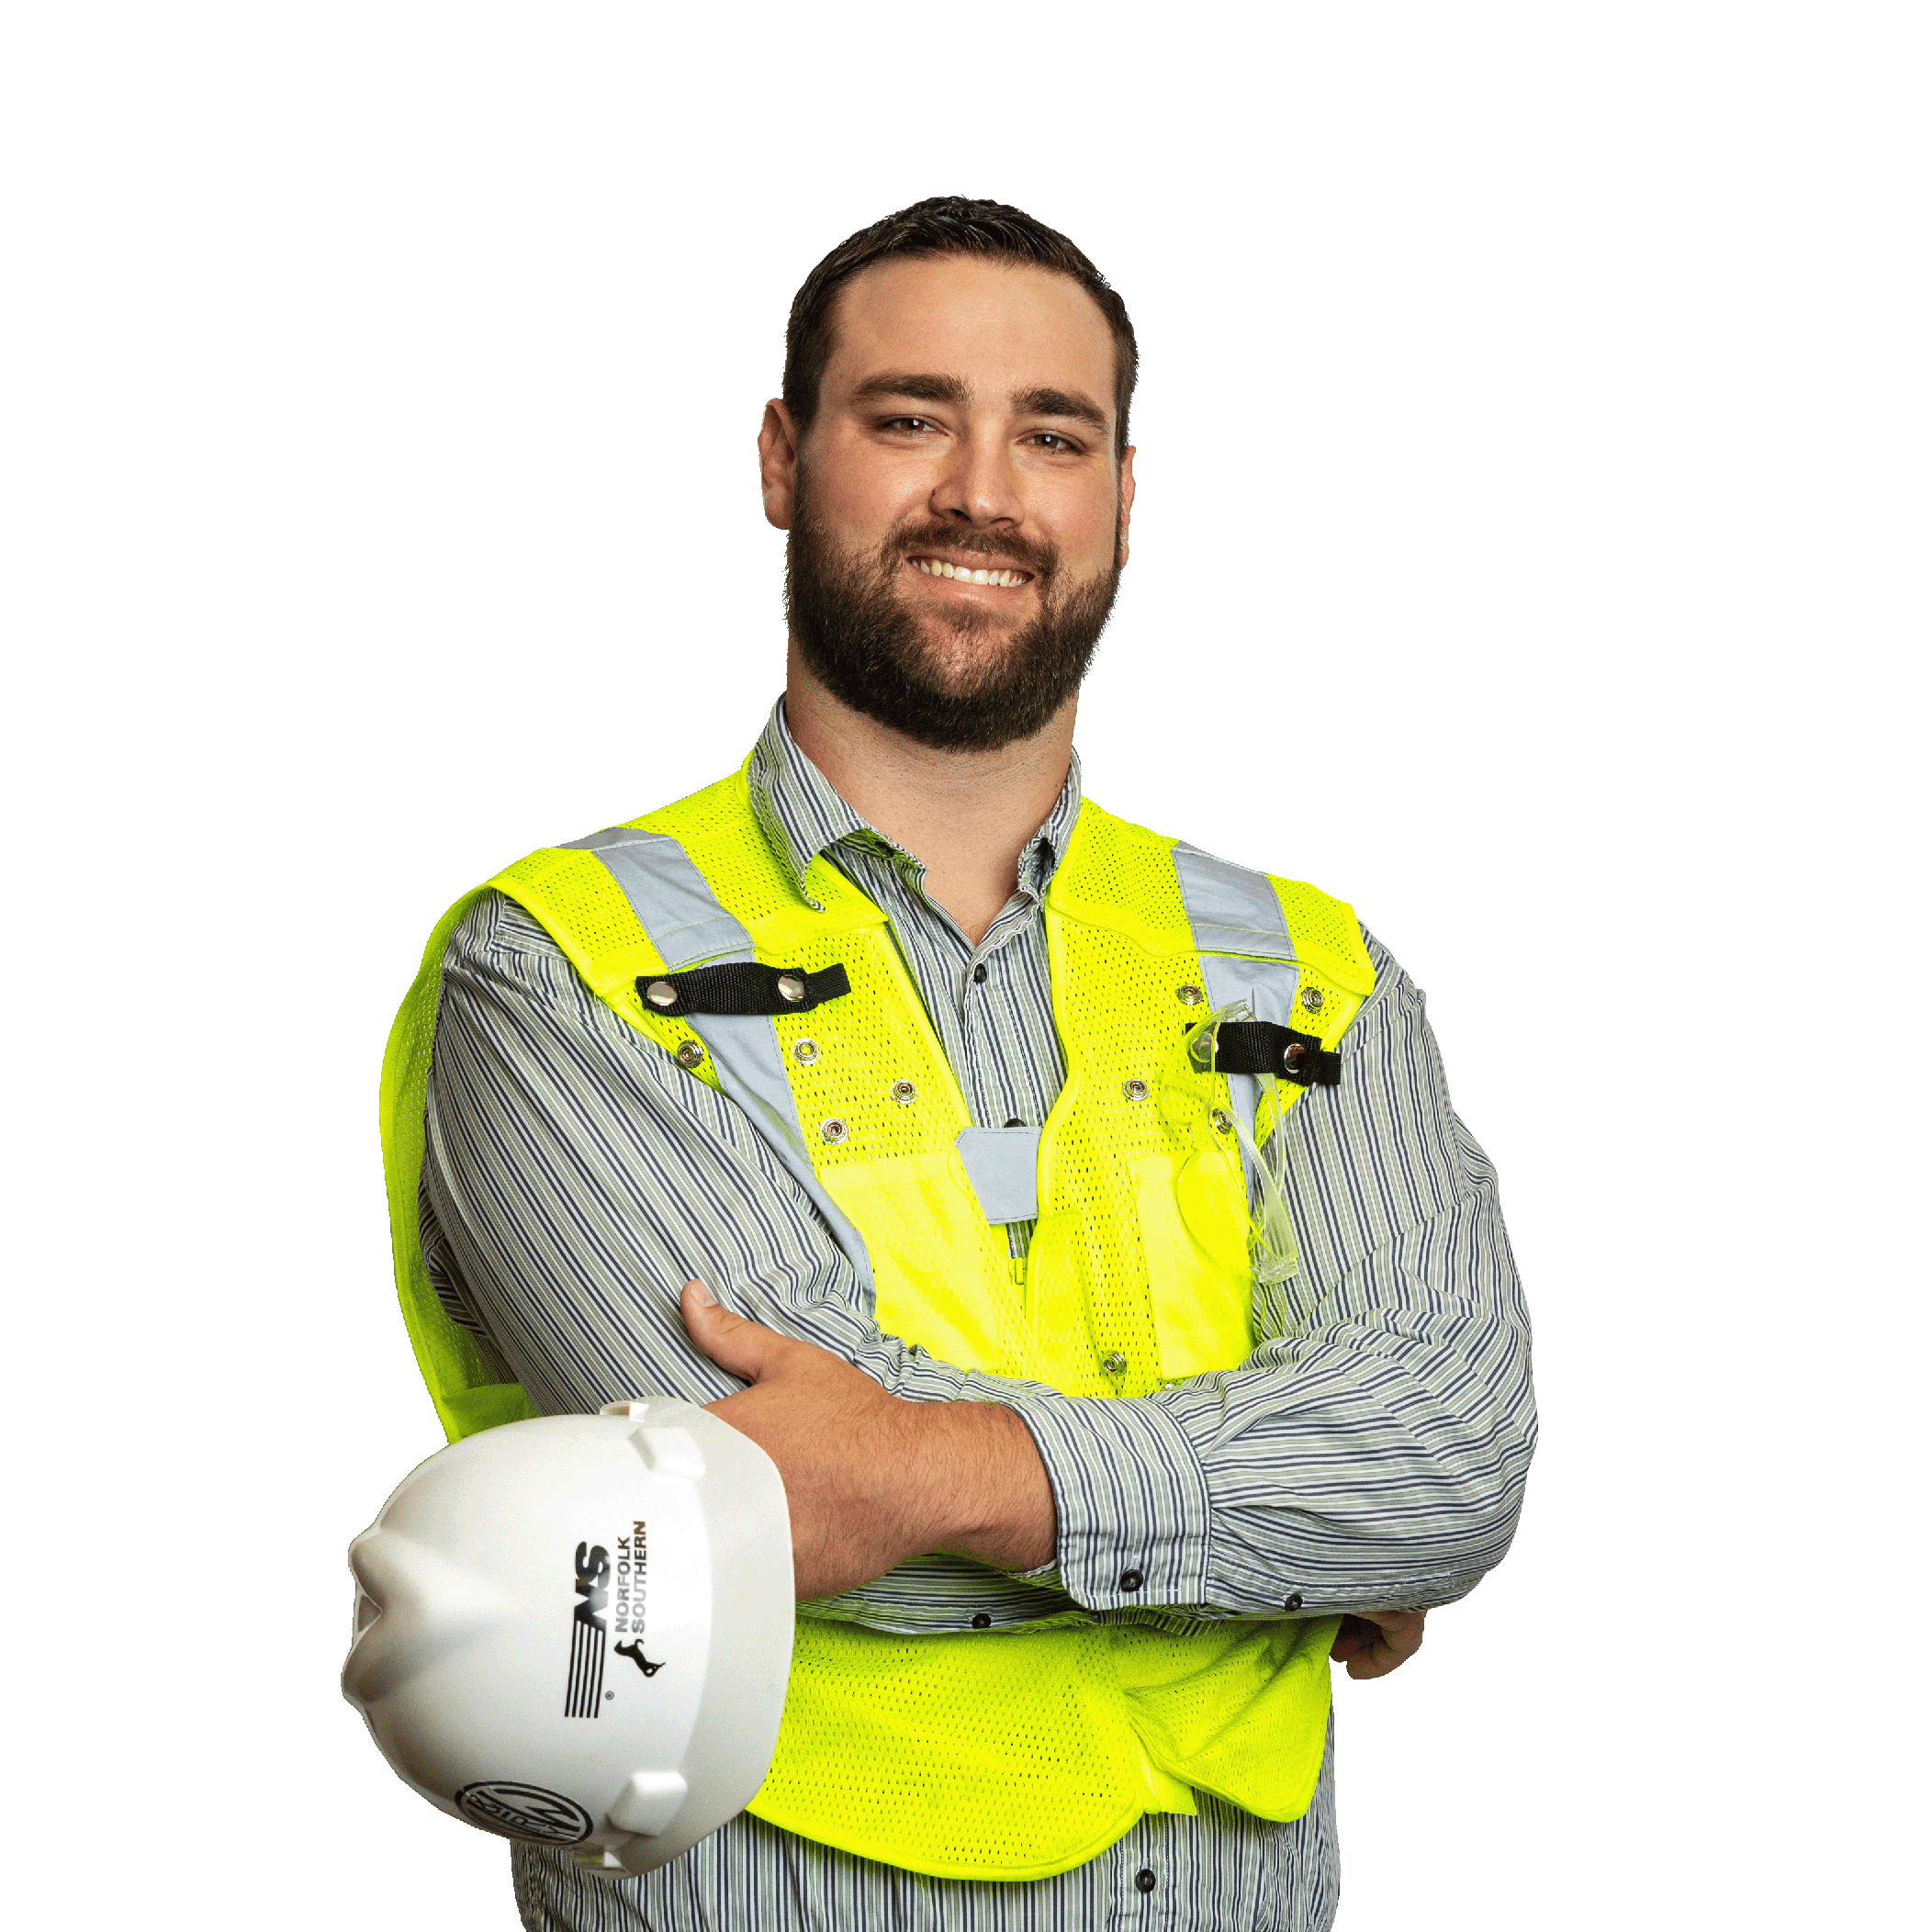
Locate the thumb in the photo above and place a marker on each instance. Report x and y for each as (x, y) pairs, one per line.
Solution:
(729, 1340)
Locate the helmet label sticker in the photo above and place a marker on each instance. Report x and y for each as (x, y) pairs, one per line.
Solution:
(524, 1811)
(628, 1610)
(583, 1689)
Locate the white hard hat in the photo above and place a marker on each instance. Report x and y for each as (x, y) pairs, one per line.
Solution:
(577, 1631)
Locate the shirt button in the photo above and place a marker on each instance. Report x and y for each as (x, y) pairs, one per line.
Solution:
(1132, 1580)
(982, 1621)
(979, 975)
(1144, 1880)
(1293, 1602)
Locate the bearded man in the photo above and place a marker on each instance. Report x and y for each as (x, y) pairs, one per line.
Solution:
(1078, 1222)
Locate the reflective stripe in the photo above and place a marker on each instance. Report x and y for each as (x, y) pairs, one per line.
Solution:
(669, 896)
(1002, 1163)
(1230, 909)
(682, 919)
(1246, 954)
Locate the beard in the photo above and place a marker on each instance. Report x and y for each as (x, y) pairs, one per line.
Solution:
(866, 645)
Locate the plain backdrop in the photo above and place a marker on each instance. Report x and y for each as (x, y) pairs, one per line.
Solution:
(1531, 548)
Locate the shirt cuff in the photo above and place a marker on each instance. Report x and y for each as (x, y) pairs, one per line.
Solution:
(1132, 1499)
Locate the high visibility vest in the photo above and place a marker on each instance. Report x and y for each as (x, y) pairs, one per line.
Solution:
(1020, 1752)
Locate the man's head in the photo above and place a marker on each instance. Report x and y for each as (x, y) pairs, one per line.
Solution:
(957, 382)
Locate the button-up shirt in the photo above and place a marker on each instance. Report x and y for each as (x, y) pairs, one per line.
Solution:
(1370, 1454)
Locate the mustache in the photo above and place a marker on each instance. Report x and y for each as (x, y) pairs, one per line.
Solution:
(1020, 552)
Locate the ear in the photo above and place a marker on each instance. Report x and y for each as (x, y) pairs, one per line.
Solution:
(1127, 500)
(778, 463)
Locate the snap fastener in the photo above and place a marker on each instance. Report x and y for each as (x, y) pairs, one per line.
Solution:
(662, 993)
(1311, 999)
(1132, 1580)
(791, 987)
(689, 1054)
(904, 1092)
(1291, 1056)
(1134, 1089)
(1115, 1363)
(1144, 1880)
(1292, 1603)
(832, 1131)
(982, 1621)
(1188, 996)
(804, 1051)
(1223, 1121)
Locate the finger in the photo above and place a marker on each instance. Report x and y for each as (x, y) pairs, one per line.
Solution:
(729, 1340)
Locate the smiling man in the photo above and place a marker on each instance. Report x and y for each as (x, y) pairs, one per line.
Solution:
(1078, 1220)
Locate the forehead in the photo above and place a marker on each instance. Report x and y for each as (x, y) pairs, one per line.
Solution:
(1001, 326)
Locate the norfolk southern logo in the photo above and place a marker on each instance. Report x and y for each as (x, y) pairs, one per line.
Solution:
(524, 1811)
(583, 1693)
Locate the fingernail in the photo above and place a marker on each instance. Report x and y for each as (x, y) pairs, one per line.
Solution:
(704, 1295)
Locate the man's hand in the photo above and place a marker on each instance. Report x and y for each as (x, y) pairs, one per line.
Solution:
(871, 1479)
(1378, 1641)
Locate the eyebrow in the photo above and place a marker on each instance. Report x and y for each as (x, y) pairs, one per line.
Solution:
(1070, 404)
(919, 388)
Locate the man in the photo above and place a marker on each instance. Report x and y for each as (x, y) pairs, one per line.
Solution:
(1079, 1222)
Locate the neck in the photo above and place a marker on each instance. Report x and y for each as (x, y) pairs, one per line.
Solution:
(965, 815)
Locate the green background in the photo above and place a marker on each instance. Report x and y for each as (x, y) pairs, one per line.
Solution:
(1529, 441)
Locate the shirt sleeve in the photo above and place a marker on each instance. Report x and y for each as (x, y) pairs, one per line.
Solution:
(1372, 1451)
(575, 1177)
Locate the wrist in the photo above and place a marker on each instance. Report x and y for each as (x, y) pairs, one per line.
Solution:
(991, 1497)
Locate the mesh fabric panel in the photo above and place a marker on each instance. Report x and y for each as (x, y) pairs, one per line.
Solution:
(1036, 1769)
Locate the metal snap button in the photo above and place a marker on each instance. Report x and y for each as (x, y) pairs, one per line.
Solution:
(1223, 1121)
(832, 1131)
(804, 1051)
(904, 1092)
(1134, 1089)
(791, 987)
(1311, 999)
(662, 993)
(689, 1054)
(1291, 1056)
(1188, 996)
(1115, 1363)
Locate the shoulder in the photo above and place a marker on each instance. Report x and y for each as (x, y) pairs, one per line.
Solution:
(1233, 907)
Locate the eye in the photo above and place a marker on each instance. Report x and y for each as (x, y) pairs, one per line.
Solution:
(1054, 443)
(914, 423)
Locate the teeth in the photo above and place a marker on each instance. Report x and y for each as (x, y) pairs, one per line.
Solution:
(1006, 580)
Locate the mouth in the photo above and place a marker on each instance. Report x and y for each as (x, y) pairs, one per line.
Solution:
(995, 577)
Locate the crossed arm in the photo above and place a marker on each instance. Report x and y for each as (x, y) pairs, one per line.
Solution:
(872, 1480)
(1371, 1453)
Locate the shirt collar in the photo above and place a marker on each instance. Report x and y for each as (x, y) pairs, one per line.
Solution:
(801, 815)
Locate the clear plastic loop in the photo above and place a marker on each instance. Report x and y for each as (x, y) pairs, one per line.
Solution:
(1271, 1227)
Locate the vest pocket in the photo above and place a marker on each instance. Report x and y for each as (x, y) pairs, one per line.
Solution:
(1194, 1229)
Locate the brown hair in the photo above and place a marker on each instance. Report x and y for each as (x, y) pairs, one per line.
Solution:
(944, 225)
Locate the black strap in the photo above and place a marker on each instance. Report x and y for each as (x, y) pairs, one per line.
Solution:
(746, 987)
(1259, 1046)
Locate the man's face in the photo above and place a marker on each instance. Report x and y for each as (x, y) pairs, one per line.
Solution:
(958, 521)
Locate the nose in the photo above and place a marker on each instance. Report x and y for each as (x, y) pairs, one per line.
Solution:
(979, 485)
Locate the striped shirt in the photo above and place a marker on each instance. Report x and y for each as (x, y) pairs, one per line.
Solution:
(1370, 1454)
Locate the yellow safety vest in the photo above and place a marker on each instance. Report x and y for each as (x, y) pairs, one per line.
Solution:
(1022, 1752)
